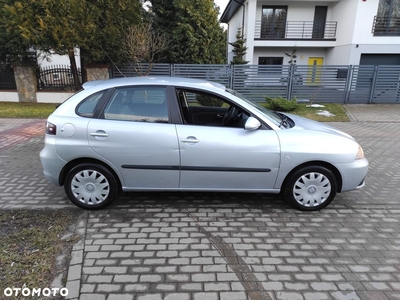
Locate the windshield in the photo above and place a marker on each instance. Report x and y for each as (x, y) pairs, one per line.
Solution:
(270, 114)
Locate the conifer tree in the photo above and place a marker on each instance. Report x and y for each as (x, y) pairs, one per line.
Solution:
(239, 49)
(193, 30)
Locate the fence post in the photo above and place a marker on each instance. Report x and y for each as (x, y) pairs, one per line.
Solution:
(290, 82)
(373, 84)
(231, 72)
(96, 72)
(25, 79)
(349, 80)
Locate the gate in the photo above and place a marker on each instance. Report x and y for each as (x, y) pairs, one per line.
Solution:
(386, 88)
(7, 79)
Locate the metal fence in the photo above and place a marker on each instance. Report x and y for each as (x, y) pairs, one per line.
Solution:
(336, 84)
(7, 79)
(57, 78)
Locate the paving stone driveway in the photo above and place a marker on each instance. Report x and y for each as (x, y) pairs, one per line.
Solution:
(230, 245)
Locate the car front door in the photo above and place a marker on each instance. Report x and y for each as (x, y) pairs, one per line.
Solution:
(217, 157)
(134, 135)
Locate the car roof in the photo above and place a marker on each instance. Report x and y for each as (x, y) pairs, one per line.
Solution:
(153, 80)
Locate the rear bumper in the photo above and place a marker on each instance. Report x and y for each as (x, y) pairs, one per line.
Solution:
(52, 164)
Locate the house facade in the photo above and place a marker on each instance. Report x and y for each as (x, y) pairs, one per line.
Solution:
(323, 32)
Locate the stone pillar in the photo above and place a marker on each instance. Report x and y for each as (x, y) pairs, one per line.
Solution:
(25, 79)
(97, 72)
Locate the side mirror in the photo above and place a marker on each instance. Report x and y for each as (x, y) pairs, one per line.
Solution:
(252, 124)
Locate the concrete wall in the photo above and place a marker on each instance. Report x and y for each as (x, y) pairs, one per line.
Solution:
(96, 72)
(42, 97)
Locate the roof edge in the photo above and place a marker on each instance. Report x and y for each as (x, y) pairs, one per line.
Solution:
(230, 10)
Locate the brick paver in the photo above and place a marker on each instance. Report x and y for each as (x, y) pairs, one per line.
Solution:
(229, 245)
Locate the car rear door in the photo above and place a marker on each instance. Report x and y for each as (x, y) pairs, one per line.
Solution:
(134, 135)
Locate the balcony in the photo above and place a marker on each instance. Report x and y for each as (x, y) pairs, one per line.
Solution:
(295, 30)
(384, 26)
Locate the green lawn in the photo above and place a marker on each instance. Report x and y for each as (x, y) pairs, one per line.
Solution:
(43, 110)
(30, 241)
(26, 110)
(311, 112)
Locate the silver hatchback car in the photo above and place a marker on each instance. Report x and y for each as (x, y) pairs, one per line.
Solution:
(179, 134)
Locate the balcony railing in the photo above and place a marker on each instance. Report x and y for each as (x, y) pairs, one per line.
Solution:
(295, 30)
(386, 26)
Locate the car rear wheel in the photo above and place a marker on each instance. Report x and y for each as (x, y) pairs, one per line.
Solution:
(91, 186)
(310, 188)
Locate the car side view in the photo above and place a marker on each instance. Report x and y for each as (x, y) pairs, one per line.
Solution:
(179, 134)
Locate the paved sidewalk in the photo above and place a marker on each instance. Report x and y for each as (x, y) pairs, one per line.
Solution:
(385, 113)
(228, 245)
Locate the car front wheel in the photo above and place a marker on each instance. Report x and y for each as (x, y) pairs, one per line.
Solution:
(310, 188)
(91, 186)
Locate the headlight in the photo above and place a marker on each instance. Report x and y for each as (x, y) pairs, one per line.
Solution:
(360, 153)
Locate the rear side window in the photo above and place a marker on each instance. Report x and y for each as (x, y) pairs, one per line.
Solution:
(88, 106)
(138, 104)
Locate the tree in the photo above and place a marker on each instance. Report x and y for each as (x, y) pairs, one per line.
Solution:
(113, 19)
(239, 49)
(60, 26)
(13, 46)
(193, 30)
(142, 44)
(292, 56)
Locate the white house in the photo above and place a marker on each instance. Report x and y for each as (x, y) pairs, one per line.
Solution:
(324, 32)
(53, 60)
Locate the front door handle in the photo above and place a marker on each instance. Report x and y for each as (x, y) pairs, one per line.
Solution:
(190, 140)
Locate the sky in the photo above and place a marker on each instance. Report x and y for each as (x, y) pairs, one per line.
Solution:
(222, 4)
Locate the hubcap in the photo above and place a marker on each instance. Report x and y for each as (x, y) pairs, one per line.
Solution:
(90, 187)
(312, 189)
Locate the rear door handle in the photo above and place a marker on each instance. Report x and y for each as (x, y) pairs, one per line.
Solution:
(190, 140)
(99, 133)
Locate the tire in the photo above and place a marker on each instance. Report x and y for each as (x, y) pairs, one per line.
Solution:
(310, 188)
(91, 186)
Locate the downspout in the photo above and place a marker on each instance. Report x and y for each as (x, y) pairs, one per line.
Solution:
(243, 15)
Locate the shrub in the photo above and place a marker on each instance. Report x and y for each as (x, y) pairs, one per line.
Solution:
(281, 104)
(206, 100)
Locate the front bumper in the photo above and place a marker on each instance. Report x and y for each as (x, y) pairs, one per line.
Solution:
(353, 174)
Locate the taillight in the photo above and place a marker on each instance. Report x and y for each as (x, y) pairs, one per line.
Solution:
(51, 128)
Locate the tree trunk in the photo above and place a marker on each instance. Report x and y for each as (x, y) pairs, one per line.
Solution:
(74, 69)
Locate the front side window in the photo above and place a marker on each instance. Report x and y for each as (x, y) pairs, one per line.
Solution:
(270, 114)
(138, 104)
(205, 109)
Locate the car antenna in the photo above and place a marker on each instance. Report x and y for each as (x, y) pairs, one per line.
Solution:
(112, 61)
